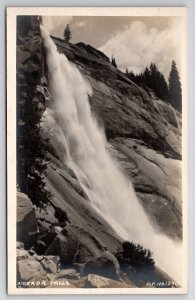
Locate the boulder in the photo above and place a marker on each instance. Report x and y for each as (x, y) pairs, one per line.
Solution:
(56, 282)
(19, 245)
(105, 265)
(56, 229)
(22, 254)
(44, 241)
(35, 269)
(51, 264)
(43, 226)
(31, 252)
(26, 220)
(96, 281)
(47, 214)
(74, 245)
(38, 257)
(62, 247)
(30, 270)
(69, 274)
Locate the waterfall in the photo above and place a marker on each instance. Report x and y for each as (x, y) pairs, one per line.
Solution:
(85, 151)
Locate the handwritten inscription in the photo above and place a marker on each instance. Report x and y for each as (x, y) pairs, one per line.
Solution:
(162, 284)
(42, 283)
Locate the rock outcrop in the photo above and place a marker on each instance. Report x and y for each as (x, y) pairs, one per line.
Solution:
(26, 220)
(157, 182)
(96, 281)
(105, 265)
(124, 108)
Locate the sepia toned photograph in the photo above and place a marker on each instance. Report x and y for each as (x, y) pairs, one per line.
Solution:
(97, 150)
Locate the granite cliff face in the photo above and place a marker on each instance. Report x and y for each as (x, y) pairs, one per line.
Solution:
(144, 135)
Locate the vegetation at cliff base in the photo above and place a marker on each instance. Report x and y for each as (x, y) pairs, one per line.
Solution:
(136, 255)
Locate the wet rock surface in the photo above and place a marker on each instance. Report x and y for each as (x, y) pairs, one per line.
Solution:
(144, 135)
(157, 182)
(125, 109)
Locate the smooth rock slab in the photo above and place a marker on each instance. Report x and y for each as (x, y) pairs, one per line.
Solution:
(96, 281)
(30, 269)
(69, 274)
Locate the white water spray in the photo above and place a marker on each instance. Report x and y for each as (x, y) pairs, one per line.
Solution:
(85, 152)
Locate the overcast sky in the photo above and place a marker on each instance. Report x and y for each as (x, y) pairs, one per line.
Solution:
(135, 42)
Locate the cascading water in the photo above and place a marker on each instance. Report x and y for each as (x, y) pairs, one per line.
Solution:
(85, 152)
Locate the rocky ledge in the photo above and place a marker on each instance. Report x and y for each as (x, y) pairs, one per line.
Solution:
(60, 254)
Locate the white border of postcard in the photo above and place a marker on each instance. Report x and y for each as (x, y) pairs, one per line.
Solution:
(12, 13)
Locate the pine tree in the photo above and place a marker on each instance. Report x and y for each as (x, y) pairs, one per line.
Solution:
(155, 80)
(67, 33)
(113, 62)
(146, 74)
(152, 78)
(175, 90)
(31, 144)
(132, 76)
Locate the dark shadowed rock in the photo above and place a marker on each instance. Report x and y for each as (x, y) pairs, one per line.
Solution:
(74, 245)
(105, 265)
(44, 241)
(63, 247)
(43, 227)
(26, 220)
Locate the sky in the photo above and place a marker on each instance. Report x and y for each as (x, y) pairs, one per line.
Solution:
(135, 42)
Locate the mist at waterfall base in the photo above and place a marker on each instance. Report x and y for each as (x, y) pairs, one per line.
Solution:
(83, 147)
